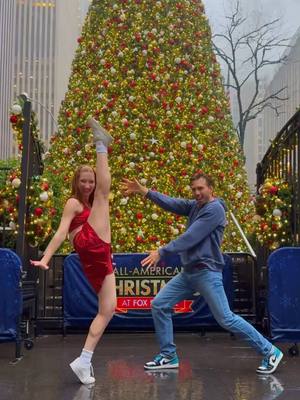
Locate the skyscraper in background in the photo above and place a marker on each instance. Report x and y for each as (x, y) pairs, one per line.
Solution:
(39, 42)
(7, 13)
(286, 76)
(70, 15)
(34, 57)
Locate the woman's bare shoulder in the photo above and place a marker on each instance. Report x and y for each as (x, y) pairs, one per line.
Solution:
(74, 204)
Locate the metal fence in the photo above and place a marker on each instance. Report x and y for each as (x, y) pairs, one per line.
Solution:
(282, 161)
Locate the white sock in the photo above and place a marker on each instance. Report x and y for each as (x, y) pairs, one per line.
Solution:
(100, 147)
(86, 357)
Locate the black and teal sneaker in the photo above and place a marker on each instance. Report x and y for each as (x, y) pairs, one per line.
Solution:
(271, 362)
(160, 361)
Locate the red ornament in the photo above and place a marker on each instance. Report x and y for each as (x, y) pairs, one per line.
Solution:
(153, 125)
(189, 147)
(139, 215)
(38, 211)
(138, 37)
(273, 190)
(14, 119)
(190, 125)
(45, 186)
(263, 226)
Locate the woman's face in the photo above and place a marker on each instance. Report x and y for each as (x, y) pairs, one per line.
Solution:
(86, 182)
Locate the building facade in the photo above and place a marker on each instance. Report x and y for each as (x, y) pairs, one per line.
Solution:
(287, 76)
(40, 38)
(7, 14)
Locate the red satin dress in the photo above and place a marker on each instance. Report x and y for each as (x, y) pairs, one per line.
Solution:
(95, 254)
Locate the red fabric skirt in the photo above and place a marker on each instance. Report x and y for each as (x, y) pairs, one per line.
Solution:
(95, 255)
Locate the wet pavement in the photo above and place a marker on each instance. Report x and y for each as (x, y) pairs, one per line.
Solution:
(213, 367)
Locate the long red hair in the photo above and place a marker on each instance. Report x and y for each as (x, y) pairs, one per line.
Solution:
(75, 187)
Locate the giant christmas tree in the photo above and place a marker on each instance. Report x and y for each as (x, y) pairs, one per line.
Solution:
(146, 70)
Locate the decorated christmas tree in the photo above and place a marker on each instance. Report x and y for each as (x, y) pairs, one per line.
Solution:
(146, 71)
(39, 193)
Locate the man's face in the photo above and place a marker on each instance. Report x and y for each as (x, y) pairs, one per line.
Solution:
(201, 191)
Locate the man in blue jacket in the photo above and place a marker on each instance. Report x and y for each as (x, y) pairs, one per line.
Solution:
(202, 261)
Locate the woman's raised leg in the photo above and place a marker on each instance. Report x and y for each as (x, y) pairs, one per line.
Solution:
(99, 216)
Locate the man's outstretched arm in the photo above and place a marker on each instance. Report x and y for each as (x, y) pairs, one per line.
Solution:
(171, 204)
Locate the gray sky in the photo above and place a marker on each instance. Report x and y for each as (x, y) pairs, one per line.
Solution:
(289, 10)
(256, 10)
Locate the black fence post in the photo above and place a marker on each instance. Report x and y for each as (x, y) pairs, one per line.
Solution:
(259, 178)
(25, 182)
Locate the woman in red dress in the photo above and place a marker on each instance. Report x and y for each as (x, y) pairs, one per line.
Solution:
(85, 219)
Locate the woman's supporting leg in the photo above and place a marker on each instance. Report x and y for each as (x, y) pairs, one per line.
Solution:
(107, 305)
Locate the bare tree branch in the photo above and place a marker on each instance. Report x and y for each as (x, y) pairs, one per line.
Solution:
(260, 42)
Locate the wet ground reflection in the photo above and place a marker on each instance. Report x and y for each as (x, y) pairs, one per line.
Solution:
(211, 368)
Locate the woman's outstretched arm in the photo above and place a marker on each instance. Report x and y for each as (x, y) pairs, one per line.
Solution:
(69, 213)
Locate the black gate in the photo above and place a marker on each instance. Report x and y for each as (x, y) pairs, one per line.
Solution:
(282, 161)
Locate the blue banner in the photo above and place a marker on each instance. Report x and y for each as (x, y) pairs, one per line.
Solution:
(136, 287)
(10, 294)
(284, 294)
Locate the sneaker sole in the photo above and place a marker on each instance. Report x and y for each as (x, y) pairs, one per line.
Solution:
(273, 369)
(103, 132)
(161, 367)
(79, 376)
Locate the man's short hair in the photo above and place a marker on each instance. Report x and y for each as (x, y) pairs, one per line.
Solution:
(209, 181)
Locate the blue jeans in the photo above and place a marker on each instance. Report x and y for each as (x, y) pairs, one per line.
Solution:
(210, 285)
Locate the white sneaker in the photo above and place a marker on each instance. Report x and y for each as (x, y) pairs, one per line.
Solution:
(99, 133)
(84, 374)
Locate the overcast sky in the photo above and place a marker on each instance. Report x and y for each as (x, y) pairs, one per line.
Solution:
(289, 10)
(265, 11)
